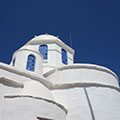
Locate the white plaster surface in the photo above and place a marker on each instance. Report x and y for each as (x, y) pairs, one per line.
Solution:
(75, 101)
(5, 90)
(43, 39)
(83, 75)
(21, 57)
(54, 56)
(105, 103)
(25, 108)
(13, 76)
(34, 88)
(83, 91)
(54, 50)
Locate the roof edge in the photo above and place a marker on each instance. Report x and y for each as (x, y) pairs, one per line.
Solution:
(57, 41)
(83, 66)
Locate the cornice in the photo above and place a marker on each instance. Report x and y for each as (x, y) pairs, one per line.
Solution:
(57, 41)
(88, 66)
(53, 86)
(11, 83)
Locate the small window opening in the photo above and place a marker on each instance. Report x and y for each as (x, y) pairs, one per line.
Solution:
(64, 56)
(31, 63)
(43, 49)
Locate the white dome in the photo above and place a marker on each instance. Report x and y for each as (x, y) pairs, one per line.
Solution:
(45, 37)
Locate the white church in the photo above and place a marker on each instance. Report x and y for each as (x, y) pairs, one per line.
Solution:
(42, 82)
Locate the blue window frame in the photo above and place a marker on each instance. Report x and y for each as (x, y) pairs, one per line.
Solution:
(43, 49)
(64, 56)
(31, 63)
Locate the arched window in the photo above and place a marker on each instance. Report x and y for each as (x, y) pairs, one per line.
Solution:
(64, 56)
(13, 64)
(43, 49)
(31, 63)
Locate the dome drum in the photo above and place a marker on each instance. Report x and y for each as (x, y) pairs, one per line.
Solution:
(30, 60)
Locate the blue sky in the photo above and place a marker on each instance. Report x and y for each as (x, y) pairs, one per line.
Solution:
(94, 27)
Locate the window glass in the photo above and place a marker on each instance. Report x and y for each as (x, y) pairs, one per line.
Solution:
(64, 57)
(43, 49)
(31, 63)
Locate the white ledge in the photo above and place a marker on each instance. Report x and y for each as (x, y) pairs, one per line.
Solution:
(26, 74)
(83, 84)
(83, 66)
(37, 40)
(52, 86)
(10, 83)
(27, 49)
(39, 98)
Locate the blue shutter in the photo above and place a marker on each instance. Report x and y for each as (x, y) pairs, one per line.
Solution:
(64, 57)
(31, 63)
(43, 49)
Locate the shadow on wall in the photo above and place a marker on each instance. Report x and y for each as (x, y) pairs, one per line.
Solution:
(90, 106)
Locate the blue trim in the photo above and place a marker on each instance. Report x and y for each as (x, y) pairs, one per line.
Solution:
(43, 49)
(31, 63)
(64, 56)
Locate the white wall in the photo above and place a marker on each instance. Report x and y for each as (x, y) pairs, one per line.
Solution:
(31, 86)
(102, 103)
(36, 89)
(75, 102)
(83, 75)
(13, 76)
(54, 55)
(105, 103)
(21, 57)
(5, 90)
(89, 92)
(55, 58)
(26, 108)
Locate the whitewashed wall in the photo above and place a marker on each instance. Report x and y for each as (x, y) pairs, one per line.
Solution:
(101, 104)
(89, 92)
(28, 102)
(34, 88)
(7, 89)
(54, 55)
(13, 76)
(21, 57)
(83, 74)
(26, 108)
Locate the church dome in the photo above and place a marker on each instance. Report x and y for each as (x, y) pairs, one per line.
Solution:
(48, 39)
(43, 38)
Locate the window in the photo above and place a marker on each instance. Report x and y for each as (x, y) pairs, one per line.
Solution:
(13, 64)
(64, 57)
(31, 63)
(43, 49)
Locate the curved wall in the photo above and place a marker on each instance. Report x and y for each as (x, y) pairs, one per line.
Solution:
(89, 103)
(29, 108)
(37, 89)
(21, 57)
(83, 73)
(6, 88)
